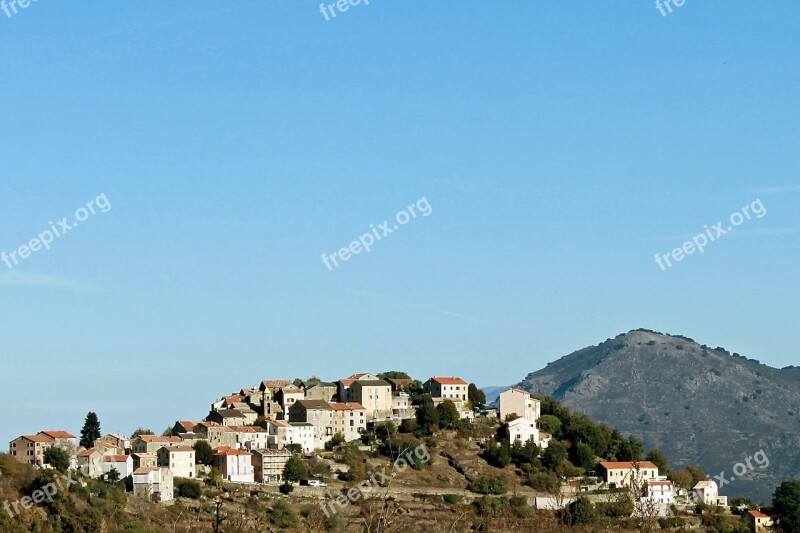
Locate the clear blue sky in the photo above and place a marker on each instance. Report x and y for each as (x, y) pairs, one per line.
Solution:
(560, 145)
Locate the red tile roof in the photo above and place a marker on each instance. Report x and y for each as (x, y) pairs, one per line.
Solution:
(155, 438)
(116, 458)
(225, 451)
(758, 514)
(57, 434)
(448, 381)
(609, 465)
(38, 438)
(87, 453)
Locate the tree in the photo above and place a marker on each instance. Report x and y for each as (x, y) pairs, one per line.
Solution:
(552, 425)
(90, 431)
(427, 416)
(57, 458)
(187, 488)
(335, 441)
(295, 469)
(554, 455)
(112, 475)
(658, 458)
(203, 454)
(581, 512)
(167, 432)
(447, 413)
(786, 505)
(393, 374)
(584, 455)
(475, 395)
(141, 431)
(498, 455)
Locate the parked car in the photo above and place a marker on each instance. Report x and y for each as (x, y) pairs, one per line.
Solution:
(316, 483)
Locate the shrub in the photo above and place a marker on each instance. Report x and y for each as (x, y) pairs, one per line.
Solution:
(187, 488)
(286, 488)
(452, 499)
(489, 485)
(489, 506)
(282, 515)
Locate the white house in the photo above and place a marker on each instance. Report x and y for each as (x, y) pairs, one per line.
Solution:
(660, 492)
(153, 483)
(235, 466)
(121, 463)
(707, 491)
(283, 433)
(179, 459)
(524, 430)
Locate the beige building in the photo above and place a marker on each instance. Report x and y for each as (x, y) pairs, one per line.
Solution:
(269, 407)
(623, 474)
(154, 483)
(317, 413)
(521, 403)
(152, 443)
(345, 384)
(759, 522)
(449, 388)
(30, 448)
(90, 463)
(179, 459)
(268, 465)
(229, 417)
(121, 444)
(321, 390)
(144, 460)
(375, 395)
(349, 419)
(250, 437)
(524, 430)
(401, 405)
(282, 433)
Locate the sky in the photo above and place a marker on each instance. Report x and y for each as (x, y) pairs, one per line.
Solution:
(554, 148)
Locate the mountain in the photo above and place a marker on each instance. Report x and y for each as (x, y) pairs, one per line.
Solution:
(699, 405)
(492, 393)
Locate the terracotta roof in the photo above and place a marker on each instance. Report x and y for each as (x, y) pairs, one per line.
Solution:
(348, 381)
(209, 424)
(188, 425)
(116, 458)
(38, 438)
(87, 453)
(704, 484)
(117, 436)
(230, 451)
(359, 376)
(651, 482)
(58, 434)
(448, 381)
(106, 445)
(156, 438)
(279, 423)
(144, 455)
(758, 514)
(145, 470)
(609, 465)
(338, 406)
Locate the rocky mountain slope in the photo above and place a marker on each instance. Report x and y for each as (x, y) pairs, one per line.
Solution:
(698, 404)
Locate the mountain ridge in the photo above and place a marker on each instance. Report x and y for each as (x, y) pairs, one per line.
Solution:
(700, 405)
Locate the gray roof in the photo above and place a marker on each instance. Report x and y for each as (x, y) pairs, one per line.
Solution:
(372, 383)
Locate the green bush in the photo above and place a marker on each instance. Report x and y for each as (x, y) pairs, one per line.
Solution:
(452, 499)
(286, 488)
(489, 485)
(283, 515)
(187, 488)
(487, 506)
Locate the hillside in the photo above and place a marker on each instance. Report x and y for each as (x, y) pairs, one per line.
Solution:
(699, 405)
